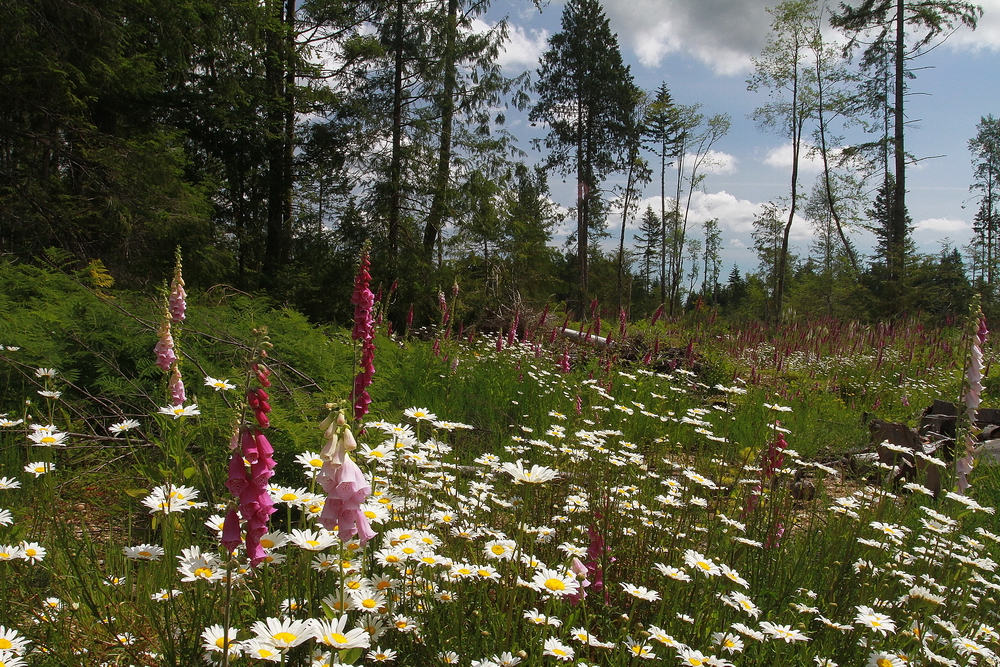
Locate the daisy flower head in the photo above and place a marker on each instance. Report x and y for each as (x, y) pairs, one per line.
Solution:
(12, 641)
(261, 650)
(32, 551)
(379, 654)
(692, 658)
(874, 620)
(555, 583)
(334, 633)
(728, 642)
(884, 659)
(164, 595)
(641, 592)
(6, 518)
(673, 572)
(8, 423)
(420, 414)
(701, 564)
(639, 649)
(557, 649)
(969, 502)
(217, 639)
(310, 461)
(784, 632)
(10, 659)
(10, 552)
(46, 372)
(178, 411)
(282, 633)
(536, 475)
(219, 385)
(144, 552)
(48, 438)
(126, 425)
(734, 576)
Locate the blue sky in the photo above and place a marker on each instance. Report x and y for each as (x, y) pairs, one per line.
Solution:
(702, 49)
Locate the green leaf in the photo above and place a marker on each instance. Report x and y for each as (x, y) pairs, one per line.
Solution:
(350, 656)
(190, 472)
(137, 493)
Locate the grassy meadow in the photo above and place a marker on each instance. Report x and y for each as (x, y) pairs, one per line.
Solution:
(684, 496)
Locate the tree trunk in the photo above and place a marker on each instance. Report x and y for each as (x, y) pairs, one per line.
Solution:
(898, 215)
(439, 203)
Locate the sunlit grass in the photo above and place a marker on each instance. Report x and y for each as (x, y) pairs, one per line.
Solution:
(607, 516)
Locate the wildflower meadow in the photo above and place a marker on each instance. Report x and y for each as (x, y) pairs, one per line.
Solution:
(210, 479)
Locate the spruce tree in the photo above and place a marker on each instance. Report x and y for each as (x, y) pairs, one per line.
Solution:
(586, 98)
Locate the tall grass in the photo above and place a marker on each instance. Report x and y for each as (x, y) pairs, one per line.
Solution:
(665, 520)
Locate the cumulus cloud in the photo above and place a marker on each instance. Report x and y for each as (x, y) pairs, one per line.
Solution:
(724, 34)
(986, 36)
(523, 48)
(716, 162)
(781, 157)
(942, 226)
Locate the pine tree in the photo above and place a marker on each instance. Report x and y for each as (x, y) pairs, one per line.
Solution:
(586, 97)
(888, 54)
(648, 245)
(985, 148)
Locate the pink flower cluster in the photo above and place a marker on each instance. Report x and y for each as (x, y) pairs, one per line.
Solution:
(364, 331)
(166, 356)
(973, 397)
(164, 348)
(177, 301)
(250, 483)
(345, 484)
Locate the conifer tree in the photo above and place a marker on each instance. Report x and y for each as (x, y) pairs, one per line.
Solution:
(586, 97)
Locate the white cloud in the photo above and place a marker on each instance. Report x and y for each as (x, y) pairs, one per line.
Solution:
(523, 48)
(716, 162)
(781, 157)
(723, 34)
(987, 32)
(942, 226)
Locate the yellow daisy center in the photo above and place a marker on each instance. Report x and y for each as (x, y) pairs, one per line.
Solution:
(498, 549)
(554, 584)
(336, 638)
(289, 496)
(5, 643)
(204, 572)
(368, 604)
(882, 662)
(284, 637)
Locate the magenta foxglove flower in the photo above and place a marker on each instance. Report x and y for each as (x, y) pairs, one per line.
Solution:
(364, 331)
